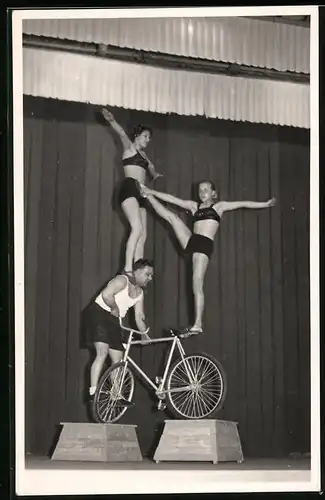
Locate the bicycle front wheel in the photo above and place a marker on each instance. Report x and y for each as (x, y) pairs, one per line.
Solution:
(196, 387)
(118, 380)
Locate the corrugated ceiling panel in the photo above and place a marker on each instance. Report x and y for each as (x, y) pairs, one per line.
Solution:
(75, 77)
(236, 39)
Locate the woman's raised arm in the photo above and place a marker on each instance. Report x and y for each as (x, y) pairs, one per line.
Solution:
(108, 116)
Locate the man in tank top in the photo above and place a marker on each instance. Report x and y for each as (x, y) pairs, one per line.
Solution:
(113, 302)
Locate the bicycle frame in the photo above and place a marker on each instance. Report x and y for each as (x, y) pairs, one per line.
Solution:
(185, 375)
(159, 389)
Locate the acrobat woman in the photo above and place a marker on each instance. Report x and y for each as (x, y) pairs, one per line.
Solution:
(199, 244)
(136, 167)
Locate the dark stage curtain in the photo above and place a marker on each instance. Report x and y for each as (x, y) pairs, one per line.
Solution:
(257, 288)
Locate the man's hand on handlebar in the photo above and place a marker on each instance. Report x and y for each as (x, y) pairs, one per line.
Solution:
(142, 333)
(145, 335)
(115, 312)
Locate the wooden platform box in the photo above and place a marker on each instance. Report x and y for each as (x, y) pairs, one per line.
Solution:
(199, 440)
(98, 443)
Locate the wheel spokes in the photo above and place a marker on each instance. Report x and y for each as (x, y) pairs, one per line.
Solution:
(114, 386)
(202, 396)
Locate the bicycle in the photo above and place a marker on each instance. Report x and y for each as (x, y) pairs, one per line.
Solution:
(194, 386)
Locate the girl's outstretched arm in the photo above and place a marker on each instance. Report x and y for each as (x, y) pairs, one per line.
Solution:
(226, 206)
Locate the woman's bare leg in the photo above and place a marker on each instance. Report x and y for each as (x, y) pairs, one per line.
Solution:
(200, 264)
(131, 209)
(139, 249)
(181, 231)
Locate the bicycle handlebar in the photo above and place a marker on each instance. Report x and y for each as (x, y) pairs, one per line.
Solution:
(132, 329)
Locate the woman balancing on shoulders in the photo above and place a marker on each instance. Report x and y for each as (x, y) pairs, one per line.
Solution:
(207, 215)
(136, 167)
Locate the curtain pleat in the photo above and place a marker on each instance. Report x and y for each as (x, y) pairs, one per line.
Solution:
(82, 78)
(234, 39)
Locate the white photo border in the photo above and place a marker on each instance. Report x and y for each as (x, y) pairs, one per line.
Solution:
(74, 482)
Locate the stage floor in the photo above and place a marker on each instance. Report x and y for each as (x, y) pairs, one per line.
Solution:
(43, 476)
(301, 464)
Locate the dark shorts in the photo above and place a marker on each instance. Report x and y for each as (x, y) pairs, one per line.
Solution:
(130, 188)
(199, 244)
(102, 326)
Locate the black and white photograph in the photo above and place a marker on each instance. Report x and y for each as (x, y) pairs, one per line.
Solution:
(166, 208)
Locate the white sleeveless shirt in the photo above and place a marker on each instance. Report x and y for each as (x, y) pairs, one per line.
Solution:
(123, 300)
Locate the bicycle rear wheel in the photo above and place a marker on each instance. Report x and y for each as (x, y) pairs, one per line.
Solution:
(116, 380)
(196, 387)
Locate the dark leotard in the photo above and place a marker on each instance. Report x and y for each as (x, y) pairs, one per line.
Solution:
(136, 159)
(206, 214)
(198, 243)
(130, 187)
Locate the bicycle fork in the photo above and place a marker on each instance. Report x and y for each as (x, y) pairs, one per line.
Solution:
(121, 378)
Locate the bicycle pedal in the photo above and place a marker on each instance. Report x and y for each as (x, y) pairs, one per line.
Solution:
(158, 380)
